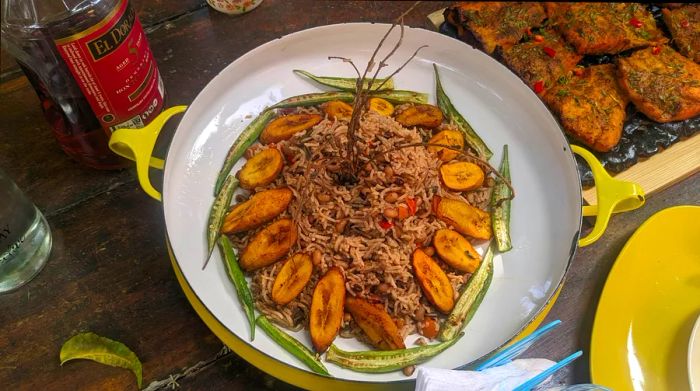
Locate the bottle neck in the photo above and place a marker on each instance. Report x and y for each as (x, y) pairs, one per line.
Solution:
(37, 14)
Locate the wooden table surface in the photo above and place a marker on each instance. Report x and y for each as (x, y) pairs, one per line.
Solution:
(109, 271)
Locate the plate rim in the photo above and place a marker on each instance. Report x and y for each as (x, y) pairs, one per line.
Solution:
(528, 327)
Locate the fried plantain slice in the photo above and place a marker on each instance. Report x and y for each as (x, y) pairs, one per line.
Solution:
(327, 308)
(258, 210)
(292, 278)
(452, 138)
(461, 176)
(286, 126)
(338, 109)
(376, 323)
(261, 169)
(380, 106)
(456, 251)
(424, 115)
(433, 281)
(269, 244)
(466, 219)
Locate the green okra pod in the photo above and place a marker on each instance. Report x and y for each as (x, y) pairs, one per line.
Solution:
(380, 361)
(345, 83)
(313, 99)
(402, 96)
(246, 138)
(500, 206)
(470, 298)
(293, 346)
(218, 212)
(239, 282)
(452, 115)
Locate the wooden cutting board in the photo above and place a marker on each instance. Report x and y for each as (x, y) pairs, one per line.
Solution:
(677, 162)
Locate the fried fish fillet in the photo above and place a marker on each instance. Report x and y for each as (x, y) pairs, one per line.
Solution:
(540, 63)
(684, 25)
(590, 107)
(495, 23)
(661, 83)
(605, 28)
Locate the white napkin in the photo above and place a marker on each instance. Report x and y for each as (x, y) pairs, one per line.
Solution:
(503, 378)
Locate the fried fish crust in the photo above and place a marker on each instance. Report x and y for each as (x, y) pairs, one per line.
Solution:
(495, 23)
(590, 107)
(684, 25)
(541, 63)
(605, 28)
(661, 83)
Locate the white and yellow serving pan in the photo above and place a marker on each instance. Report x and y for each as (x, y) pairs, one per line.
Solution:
(546, 213)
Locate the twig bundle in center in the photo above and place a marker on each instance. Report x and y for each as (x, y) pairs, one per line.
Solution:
(364, 90)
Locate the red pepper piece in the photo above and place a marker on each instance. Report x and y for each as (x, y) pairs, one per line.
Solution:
(386, 224)
(549, 51)
(539, 86)
(579, 71)
(685, 24)
(403, 212)
(634, 22)
(412, 207)
(538, 38)
(655, 50)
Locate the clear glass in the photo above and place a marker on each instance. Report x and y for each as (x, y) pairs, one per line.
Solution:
(25, 237)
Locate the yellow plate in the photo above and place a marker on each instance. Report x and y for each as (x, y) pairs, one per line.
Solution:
(647, 309)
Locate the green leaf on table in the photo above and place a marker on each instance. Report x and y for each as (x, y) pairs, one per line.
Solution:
(90, 346)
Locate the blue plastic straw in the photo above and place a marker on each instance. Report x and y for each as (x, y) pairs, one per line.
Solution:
(516, 349)
(542, 376)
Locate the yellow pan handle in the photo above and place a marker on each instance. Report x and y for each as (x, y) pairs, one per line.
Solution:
(137, 145)
(614, 196)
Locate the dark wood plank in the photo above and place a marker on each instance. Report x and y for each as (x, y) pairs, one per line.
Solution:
(108, 273)
(153, 12)
(232, 370)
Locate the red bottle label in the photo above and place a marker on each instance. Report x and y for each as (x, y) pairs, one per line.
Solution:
(115, 69)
